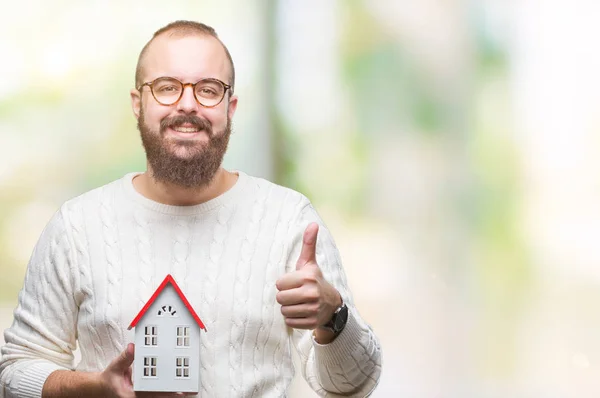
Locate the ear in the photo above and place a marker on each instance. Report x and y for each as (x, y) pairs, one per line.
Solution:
(232, 106)
(136, 102)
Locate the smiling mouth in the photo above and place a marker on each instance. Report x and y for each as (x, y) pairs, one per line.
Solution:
(186, 129)
(186, 132)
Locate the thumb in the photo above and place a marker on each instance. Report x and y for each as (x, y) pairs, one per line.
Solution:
(309, 246)
(124, 360)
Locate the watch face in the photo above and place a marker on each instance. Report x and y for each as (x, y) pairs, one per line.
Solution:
(341, 319)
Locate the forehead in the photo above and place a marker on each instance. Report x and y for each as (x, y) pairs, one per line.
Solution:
(188, 58)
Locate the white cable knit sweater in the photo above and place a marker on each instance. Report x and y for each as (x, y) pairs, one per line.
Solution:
(104, 253)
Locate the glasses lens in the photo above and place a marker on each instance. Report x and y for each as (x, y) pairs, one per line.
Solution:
(209, 92)
(166, 90)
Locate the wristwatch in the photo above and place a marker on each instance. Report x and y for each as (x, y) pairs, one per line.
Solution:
(338, 321)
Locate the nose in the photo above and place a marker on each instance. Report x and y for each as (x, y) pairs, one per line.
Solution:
(187, 103)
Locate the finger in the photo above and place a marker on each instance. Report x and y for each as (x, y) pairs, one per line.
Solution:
(304, 310)
(291, 280)
(299, 295)
(124, 360)
(309, 246)
(303, 294)
(129, 378)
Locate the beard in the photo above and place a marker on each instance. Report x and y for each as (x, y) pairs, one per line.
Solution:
(200, 164)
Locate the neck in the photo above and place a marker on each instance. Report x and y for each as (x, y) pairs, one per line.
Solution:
(175, 195)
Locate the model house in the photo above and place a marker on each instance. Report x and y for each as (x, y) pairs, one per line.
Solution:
(167, 342)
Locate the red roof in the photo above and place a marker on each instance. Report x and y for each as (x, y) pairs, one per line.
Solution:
(168, 279)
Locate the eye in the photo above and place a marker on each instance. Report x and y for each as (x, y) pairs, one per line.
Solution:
(207, 91)
(168, 89)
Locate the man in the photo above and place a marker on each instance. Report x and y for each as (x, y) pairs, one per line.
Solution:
(253, 258)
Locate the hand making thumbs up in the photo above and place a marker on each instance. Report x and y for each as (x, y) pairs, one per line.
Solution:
(307, 299)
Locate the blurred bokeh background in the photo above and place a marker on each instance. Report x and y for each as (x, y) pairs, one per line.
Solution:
(451, 146)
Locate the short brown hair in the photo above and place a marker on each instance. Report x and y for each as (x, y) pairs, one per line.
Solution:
(182, 28)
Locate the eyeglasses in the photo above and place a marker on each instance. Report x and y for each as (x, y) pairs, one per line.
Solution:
(208, 92)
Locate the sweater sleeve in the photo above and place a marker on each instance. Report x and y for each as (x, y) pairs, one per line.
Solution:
(43, 333)
(351, 364)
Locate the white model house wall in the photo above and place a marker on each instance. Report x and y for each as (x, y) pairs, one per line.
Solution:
(166, 350)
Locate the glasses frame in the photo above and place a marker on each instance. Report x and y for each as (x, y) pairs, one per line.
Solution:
(150, 84)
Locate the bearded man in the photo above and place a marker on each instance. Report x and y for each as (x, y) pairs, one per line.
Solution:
(254, 259)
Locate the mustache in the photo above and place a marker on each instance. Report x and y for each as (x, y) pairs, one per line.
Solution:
(195, 121)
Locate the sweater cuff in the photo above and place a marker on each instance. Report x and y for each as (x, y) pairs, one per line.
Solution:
(30, 380)
(343, 345)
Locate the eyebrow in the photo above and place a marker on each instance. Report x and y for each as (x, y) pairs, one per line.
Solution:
(185, 81)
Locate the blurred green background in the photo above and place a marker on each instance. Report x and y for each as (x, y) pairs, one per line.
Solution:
(450, 145)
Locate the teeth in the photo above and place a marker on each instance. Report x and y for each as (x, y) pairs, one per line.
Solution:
(186, 129)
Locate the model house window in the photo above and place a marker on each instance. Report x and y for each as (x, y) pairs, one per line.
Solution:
(183, 336)
(149, 366)
(167, 310)
(182, 367)
(151, 335)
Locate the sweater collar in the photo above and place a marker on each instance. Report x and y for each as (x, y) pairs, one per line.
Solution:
(228, 196)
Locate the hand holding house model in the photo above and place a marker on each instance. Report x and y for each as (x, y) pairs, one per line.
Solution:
(167, 342)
